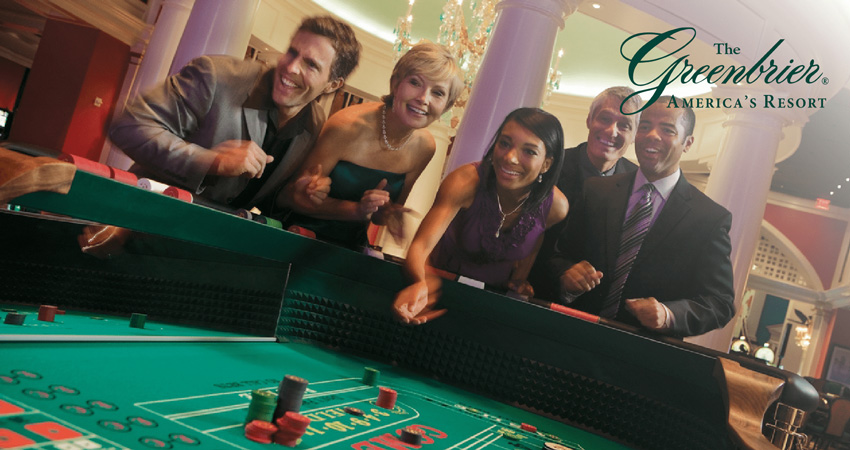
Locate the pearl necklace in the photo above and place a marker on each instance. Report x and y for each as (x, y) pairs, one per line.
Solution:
(505, 216)
(384, 132)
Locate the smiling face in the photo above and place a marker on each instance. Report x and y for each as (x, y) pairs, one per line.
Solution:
(303, 73)
(610, 133)
(418, 101)
(661, 141)
(519, 157)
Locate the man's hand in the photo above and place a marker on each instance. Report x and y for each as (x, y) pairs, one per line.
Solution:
(373, 199)
(522, 288)
(580, 278)
(239, 158)
(312, 186)
(414, 304)
(650, 312)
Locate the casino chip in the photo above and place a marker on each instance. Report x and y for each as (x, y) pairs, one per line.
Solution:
(291, 426)
(46, 313)
(411, 435)
(353, 411)
(14, 318)
(528, 427)
(260, 431)
(138, 320)
(290, 394)
(386, 398)
(370, 376)
(262, 406)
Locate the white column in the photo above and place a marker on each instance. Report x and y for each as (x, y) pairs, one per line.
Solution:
(170, 17)
(216, 27)
(740, 181)
(163, 44)
(513, 72)
(820, 323)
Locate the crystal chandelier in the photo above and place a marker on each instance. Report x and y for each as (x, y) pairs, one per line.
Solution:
(468, 48)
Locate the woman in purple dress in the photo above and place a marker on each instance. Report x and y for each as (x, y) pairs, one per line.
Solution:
(488, 219)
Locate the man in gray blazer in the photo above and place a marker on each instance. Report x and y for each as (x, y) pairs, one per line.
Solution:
(234, 131)
(674, 275)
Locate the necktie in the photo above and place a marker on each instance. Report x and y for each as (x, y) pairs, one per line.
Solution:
(634, 230)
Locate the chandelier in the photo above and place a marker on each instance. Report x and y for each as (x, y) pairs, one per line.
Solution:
(803, 336)
(466, 43)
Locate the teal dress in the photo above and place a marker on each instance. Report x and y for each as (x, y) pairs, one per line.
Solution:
(348, 182)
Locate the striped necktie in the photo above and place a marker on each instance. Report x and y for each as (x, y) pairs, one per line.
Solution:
(634, 230)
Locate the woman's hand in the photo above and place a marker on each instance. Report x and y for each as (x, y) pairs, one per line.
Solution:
(414, 304)
(373, 200)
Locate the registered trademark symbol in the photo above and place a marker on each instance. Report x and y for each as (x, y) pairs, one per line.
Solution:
(824, 80)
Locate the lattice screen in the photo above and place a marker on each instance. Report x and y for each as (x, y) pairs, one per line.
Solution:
(771, 261)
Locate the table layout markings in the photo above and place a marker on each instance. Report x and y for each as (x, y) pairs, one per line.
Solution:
(369, 430)
(473, 437)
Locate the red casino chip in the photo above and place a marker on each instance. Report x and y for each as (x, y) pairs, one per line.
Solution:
(178, 193)
(260, 431)
(386, 398)
(528, 427)
(86, 165)
(123, 176)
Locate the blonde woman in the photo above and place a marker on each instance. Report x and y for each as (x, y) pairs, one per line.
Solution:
(374, 152)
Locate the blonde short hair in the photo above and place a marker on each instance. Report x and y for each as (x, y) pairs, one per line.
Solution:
(432, 61)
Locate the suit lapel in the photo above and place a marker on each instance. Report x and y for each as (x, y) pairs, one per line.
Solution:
(676, 208)
(256, 120)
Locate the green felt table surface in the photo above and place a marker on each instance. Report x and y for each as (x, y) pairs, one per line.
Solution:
(196, 394)
(80, 326)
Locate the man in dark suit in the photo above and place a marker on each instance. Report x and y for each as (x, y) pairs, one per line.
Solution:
(234, 131)
(647, 248)
(610, 132)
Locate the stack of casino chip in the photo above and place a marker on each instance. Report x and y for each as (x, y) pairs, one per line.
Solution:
(263, 404)
(46, 313)
(290, 427)
(290, 394)
(14, 318)
(411, 435)
(386, 398)
(138, 320)
(370, 376)
(528, 427)
(260, 431)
